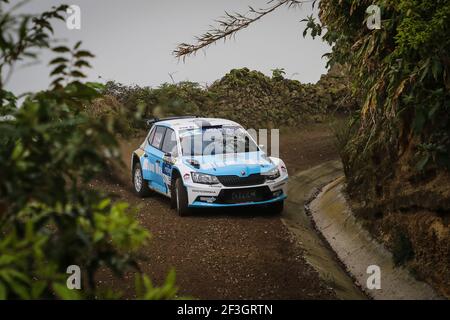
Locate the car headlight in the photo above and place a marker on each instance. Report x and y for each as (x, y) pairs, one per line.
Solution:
(204, 178)
(272, 174)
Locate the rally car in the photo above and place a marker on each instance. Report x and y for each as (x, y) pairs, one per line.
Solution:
(207, 163)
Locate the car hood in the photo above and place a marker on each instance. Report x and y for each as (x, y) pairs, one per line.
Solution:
(240, 164)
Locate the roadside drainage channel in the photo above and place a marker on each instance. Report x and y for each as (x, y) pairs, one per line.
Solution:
(302, 187)
(357, 249)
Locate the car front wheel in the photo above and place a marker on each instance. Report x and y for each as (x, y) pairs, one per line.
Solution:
(140, 185)
(181, 199)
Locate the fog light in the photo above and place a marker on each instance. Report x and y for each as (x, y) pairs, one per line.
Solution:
(277, 193)
(207, 199)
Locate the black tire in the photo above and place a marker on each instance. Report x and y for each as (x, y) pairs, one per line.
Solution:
(276, 207)
(181, 199)
(141, 189)
(173, 196)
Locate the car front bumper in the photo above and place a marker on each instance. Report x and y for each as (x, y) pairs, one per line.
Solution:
(211, 196)
(200, 204)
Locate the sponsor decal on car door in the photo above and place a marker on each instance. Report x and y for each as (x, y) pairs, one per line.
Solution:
(153, 159)
(157, 180)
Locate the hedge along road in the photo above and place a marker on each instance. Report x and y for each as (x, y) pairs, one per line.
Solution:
(229, 254)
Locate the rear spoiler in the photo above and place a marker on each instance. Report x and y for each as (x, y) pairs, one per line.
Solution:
(152, 121)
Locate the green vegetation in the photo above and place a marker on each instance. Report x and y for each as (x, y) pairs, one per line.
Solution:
(50, 149)
(248, 97)
(396, 150)
(402, 74)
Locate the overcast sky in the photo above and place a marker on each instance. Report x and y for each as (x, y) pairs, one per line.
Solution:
(133, 42)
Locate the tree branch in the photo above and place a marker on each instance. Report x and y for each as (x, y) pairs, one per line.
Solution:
(230, 24)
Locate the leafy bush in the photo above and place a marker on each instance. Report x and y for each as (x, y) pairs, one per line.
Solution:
(166, 100)
(50, 149)
(246, 96)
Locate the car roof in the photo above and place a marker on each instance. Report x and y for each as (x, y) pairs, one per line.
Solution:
(193, 123)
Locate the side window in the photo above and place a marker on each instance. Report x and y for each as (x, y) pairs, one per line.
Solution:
(170, 143)
(158, 137)
(151, 135)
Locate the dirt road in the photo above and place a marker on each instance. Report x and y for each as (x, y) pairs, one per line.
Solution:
(230, 254)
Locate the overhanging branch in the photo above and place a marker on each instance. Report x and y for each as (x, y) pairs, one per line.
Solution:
(230, 24)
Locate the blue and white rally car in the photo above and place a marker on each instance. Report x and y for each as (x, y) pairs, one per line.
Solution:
(207, 163)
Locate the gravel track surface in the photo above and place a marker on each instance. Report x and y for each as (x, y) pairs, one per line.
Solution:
(228, 254)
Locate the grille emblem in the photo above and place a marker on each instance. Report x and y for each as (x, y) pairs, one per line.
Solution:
(242, 173)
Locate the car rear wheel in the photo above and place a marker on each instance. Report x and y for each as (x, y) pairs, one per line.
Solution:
(276, 207)
(140, 185)
(181, 199)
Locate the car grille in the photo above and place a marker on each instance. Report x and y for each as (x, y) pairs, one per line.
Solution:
(236, 181)
(243, 195)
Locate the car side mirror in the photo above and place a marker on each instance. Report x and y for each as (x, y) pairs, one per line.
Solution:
(168, 155)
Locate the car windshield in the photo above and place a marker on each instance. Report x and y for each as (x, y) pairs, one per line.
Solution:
(216, 140)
